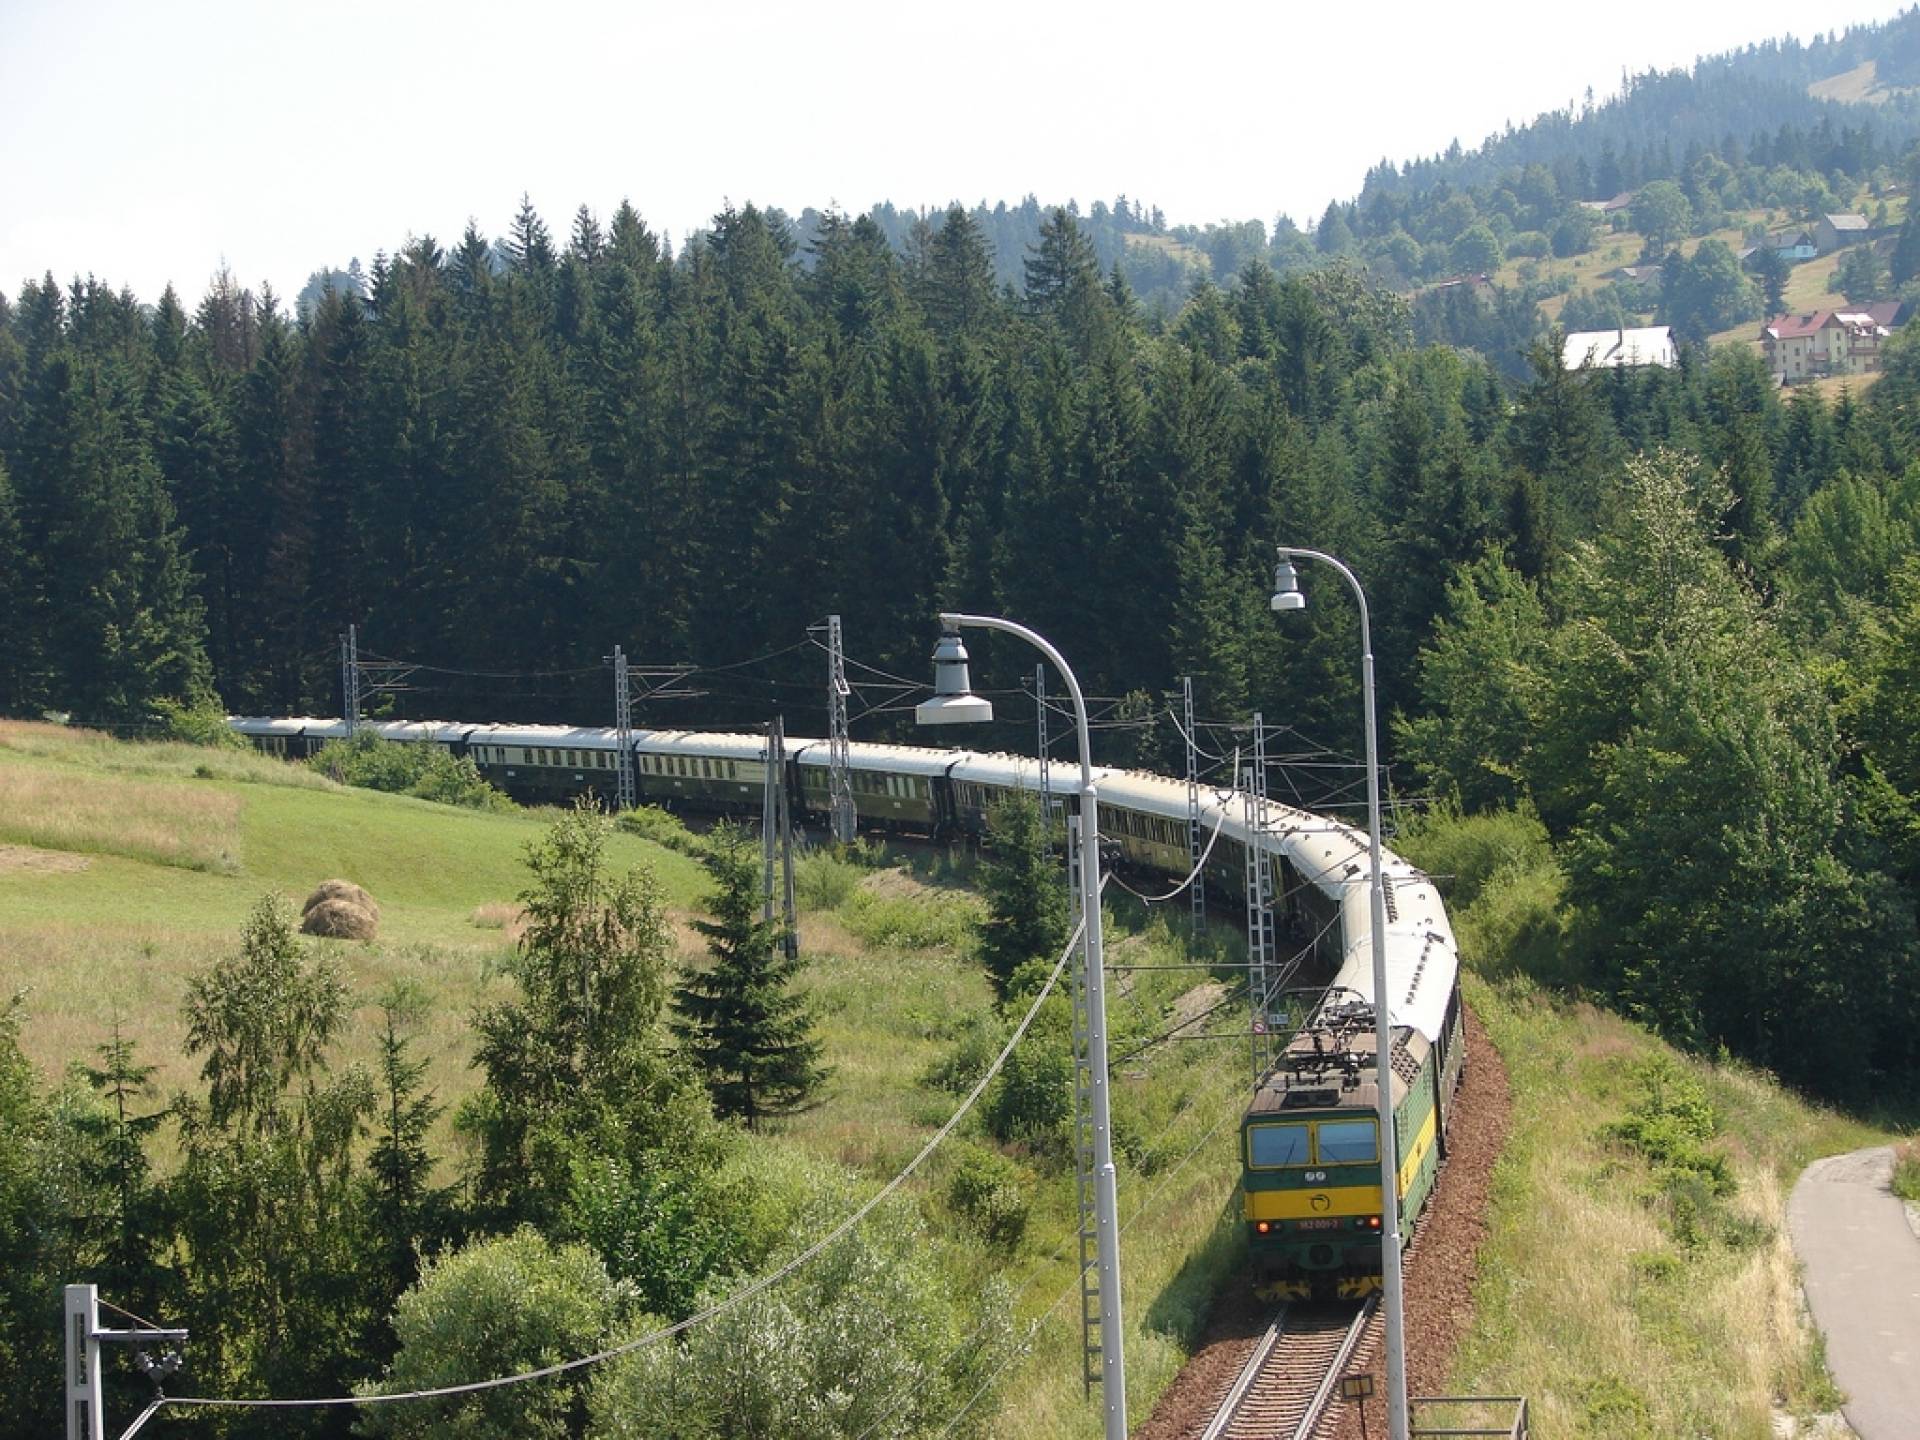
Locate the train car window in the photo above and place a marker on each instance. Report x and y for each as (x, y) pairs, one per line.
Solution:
(1346, 1142)
(1270, 1146)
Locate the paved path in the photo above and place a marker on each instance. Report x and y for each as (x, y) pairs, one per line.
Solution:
(1862, 1275)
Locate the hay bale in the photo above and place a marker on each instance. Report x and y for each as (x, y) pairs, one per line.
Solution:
(340, 920)
(342, 890)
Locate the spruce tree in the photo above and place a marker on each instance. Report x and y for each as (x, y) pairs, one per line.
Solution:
(741, 1021)
(1026, 896)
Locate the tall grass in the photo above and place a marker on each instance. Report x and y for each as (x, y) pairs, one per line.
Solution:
(196, 828)
(92, 750)
(1637, 1278)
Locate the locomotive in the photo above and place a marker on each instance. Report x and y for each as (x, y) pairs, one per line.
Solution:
(1310, 1187)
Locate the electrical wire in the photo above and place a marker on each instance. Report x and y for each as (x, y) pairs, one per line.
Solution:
(1014, 1352)
(1192, 875)
(720, 1307)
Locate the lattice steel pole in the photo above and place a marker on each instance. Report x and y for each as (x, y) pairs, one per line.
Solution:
(1046, 772)
(625, 789)
(1197, 890)
(839, 745)
(350, 679)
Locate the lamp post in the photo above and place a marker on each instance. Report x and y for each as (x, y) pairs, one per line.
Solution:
(1287, 596)
(954, 702)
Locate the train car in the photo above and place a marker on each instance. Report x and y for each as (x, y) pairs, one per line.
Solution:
(704, 771)
(542, 764)
(895, 787)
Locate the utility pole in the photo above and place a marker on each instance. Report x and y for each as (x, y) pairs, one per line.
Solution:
(85, 1414)
(350, 678)
(361, 680)
(770, 817)
(1046, 775)
(1260, 950)
(625, 789)
(1198, 890)
(776, 838)
(839, 756)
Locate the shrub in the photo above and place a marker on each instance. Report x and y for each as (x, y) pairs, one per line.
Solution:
(977, 1040)
(1465, 852)
(662, 827)
(825, 880)
(992, 1194)
(1906, 1170)
(425, 772)
(198, 724)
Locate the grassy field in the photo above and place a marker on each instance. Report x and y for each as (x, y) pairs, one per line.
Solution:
(1618, 1294)
(124, 868)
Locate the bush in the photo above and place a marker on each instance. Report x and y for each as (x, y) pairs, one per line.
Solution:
(825, 880)
(662, 827)
(509, 1303)
(1906, 1170)
(1464, 853)
(932, 922)
(1528, 245)
(425, 772)
(201, 724)
(977, 1041)
(992, 1194)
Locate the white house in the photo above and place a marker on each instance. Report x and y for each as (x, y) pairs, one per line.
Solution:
(1610, 349)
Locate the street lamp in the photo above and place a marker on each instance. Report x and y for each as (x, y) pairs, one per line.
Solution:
(1287, 596)
(954, 702)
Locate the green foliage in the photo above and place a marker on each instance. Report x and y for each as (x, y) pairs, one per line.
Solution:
(746, 1029)
(1662, 214)
(426, 772)
(198, 724)
(572, 1062)
(1671, 1123)
(662, 827)
(992, 1194)
(867, 1339)
(515, 1302)
(825, 880)
(1025, 892)
(1906, 1172)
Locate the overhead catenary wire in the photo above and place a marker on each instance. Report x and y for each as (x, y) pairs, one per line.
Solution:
(719, 1307)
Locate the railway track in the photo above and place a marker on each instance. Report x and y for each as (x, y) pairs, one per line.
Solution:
(1283, 1390)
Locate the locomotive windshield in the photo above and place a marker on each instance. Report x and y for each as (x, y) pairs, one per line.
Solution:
(1270, 1145)
(1347, 1142)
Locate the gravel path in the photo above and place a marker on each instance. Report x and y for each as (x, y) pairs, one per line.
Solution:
(1439, 1275)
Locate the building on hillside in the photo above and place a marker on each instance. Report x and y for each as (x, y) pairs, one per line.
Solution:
(1823, 342)
(1614, 349)
(1794, 245)
(1478, 286)
(1831, 232)
(1890, 313)
(1638, 274)
(1607, 207)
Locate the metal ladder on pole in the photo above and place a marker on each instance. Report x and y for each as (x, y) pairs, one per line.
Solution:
(839, 746)
(624, 789)
(1083, 1148)
(1197, 892)
(1260, 936)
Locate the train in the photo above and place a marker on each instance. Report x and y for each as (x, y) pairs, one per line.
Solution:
(1310, 1184)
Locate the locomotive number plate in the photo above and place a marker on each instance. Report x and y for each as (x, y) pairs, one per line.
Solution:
(1328, 1224)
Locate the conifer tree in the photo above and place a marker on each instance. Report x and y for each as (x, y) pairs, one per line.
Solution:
(1025, 893)
(748, 1031)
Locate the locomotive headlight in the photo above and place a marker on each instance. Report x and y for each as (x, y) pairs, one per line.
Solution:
(1262, 1226)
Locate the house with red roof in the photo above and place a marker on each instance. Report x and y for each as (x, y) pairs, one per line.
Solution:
(1824, 342)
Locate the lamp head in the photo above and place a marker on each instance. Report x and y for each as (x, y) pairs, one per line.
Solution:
(1286, 588)
(953, 702)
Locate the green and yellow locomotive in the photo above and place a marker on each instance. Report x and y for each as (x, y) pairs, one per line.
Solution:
(1310, 1148)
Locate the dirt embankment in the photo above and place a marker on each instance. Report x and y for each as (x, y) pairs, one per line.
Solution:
(1439, 1276)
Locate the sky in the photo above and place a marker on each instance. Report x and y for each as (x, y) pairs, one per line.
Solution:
(149, 141)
